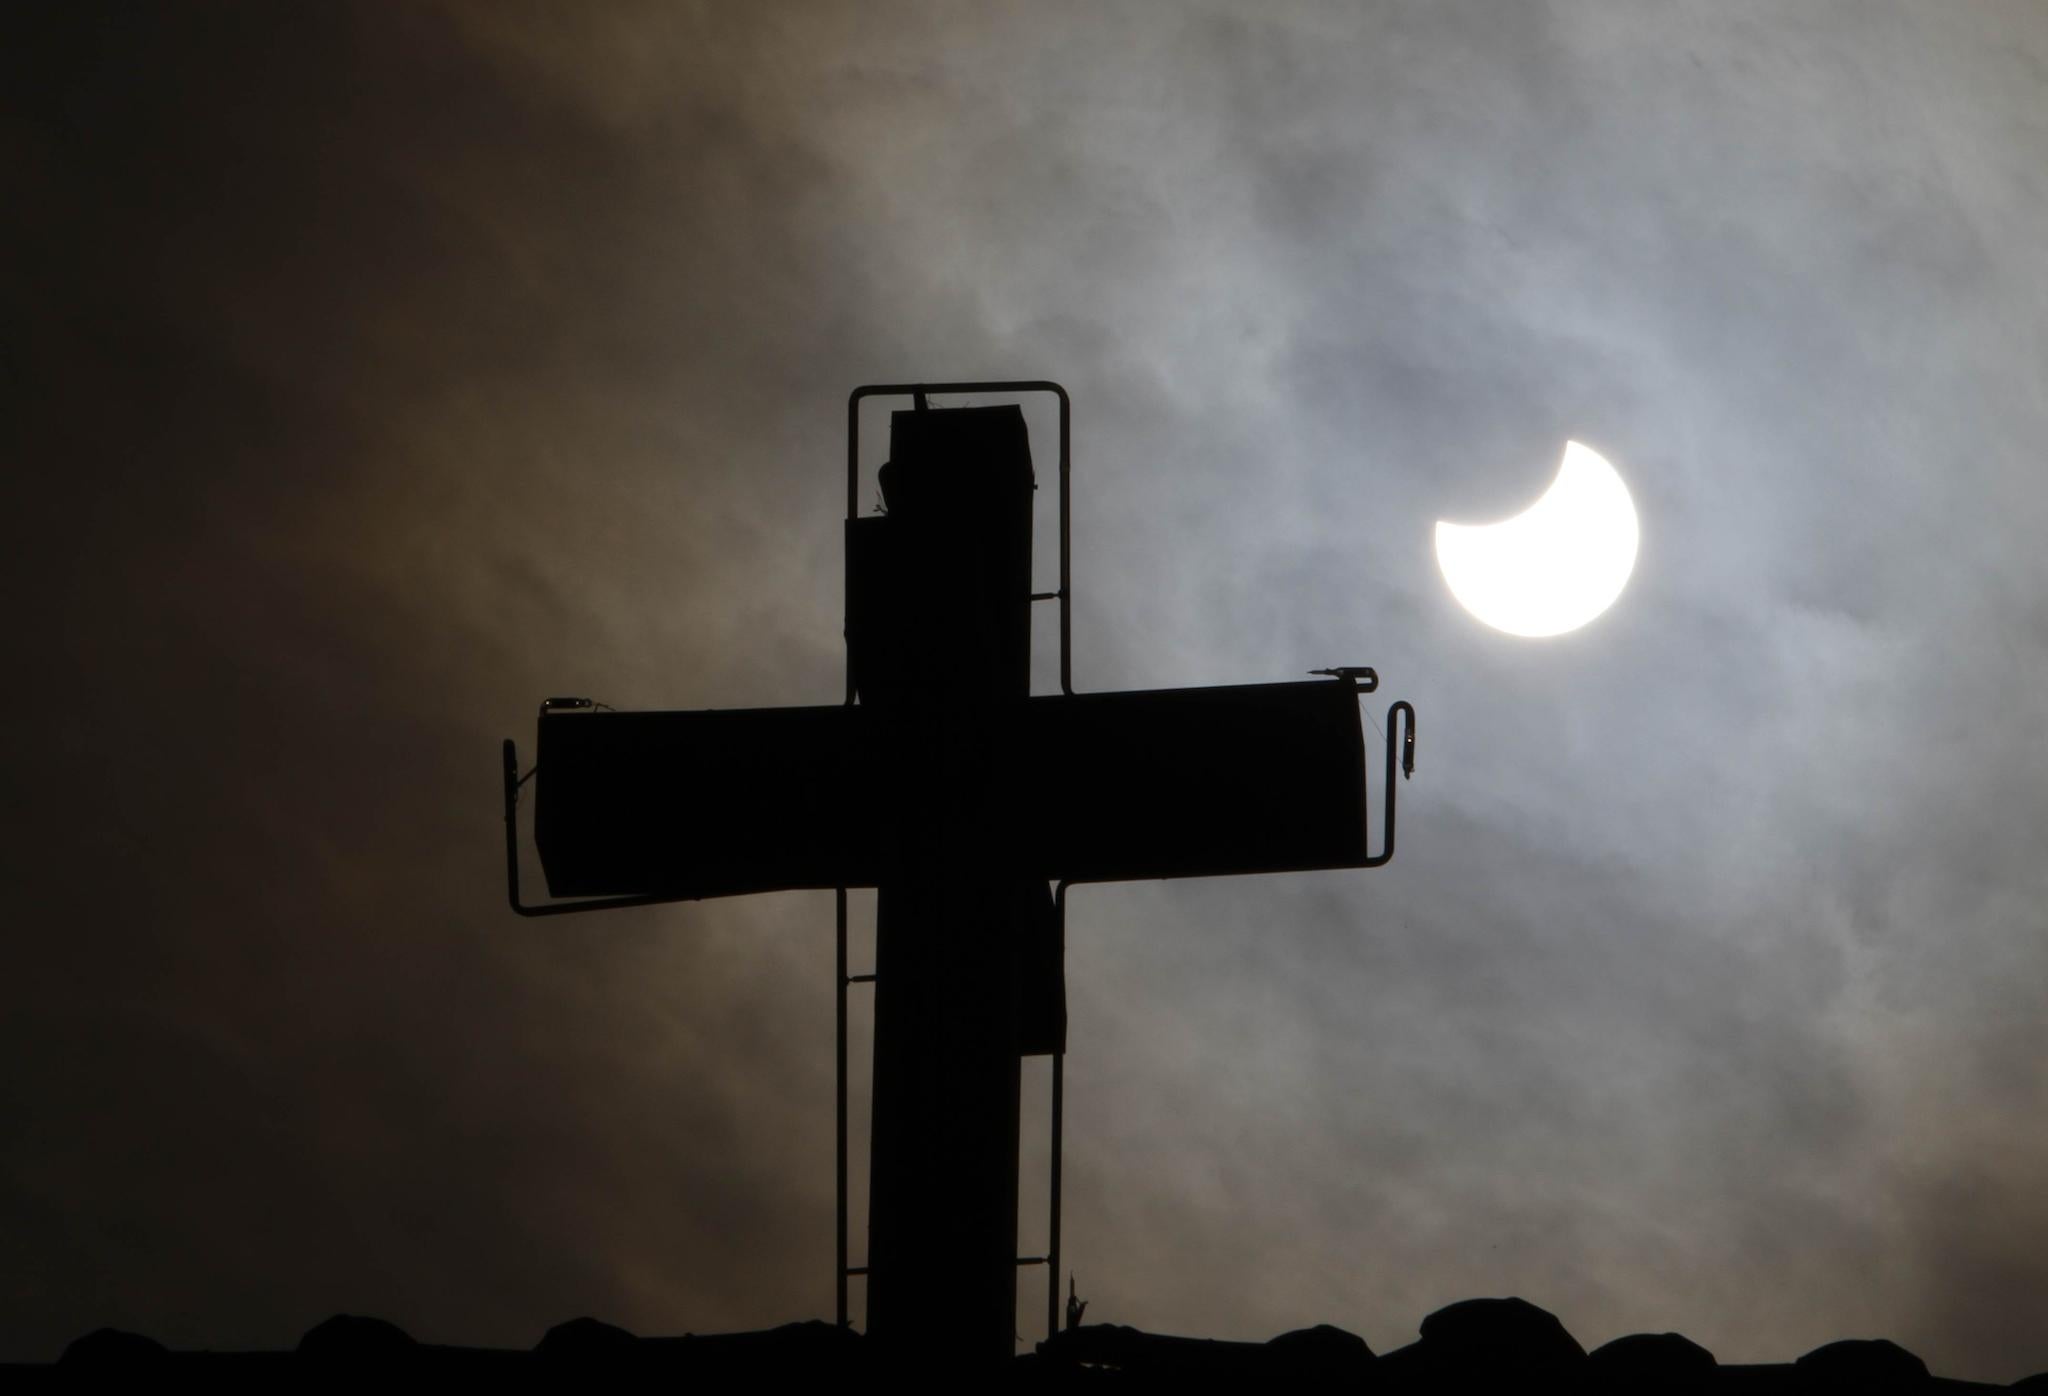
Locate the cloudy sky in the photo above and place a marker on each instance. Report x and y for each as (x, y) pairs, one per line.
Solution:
(374, 371)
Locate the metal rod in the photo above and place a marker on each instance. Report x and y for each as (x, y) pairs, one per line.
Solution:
(857, 978)
(509, 757)
(1066, 580)
(1059, 1106)
(840, 899)
(846, 562)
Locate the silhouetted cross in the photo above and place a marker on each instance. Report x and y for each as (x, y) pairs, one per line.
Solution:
(959, 796)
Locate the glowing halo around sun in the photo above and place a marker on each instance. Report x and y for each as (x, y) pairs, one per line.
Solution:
(1554, 566)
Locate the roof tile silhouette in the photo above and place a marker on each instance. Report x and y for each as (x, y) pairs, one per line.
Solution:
(1863, 1367)
(109, 1347)
(1663, 1362)
(1489, 1340)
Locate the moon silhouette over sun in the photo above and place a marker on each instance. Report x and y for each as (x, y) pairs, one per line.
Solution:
(1558, 563)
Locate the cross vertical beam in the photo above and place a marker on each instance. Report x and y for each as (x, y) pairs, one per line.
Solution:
(939, 638)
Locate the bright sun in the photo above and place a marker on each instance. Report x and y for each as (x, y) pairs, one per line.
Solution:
(1554, 566)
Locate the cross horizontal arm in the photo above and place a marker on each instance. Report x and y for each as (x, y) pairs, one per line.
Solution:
(1096, 787)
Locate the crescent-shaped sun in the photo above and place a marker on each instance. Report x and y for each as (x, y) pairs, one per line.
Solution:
(1558, 563)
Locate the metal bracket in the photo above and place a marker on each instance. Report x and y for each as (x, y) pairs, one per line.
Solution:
(1361, 677)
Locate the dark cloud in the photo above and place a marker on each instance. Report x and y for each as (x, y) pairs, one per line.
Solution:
(373, 374)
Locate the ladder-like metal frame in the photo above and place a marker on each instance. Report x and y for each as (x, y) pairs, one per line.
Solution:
(918, 393)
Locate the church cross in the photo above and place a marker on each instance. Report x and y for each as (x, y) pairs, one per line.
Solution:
(961, 797)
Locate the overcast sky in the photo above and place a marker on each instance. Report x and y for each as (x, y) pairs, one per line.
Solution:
(373, 372)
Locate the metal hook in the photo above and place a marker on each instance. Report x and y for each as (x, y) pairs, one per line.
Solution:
(1407, 736)
(1401, 709)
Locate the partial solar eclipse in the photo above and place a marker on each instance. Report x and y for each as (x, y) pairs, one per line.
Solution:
(1554, 566)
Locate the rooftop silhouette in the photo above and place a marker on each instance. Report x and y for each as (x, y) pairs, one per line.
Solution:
(1476, 1346)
